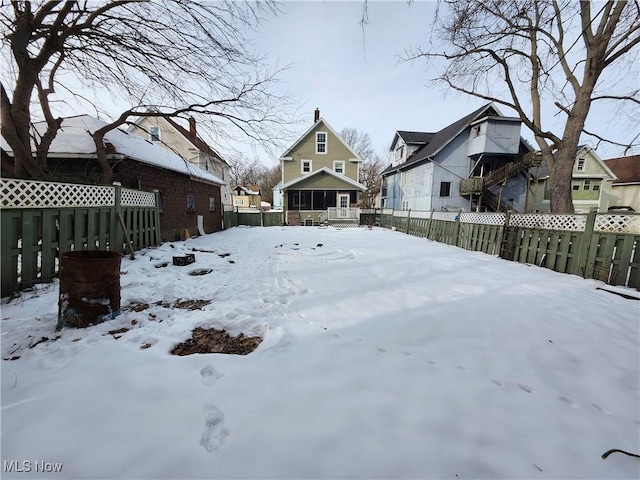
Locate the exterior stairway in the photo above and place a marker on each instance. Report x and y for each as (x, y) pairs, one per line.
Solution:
(481, 185)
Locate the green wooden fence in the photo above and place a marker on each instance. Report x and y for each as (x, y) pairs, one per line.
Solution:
(233, 218)
(40, 220)
(601, 246)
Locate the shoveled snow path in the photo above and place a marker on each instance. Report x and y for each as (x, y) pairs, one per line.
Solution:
(385, 356)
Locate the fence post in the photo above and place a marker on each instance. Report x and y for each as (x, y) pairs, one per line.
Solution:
(406, 230)
(393, 212)
(116, 236)
(429, 225)
(507, 241)
(456, 238)
(585, 244)
(158, 234)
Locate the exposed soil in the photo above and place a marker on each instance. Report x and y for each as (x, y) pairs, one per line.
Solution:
(200, 271)
(184, 305)
(216, 341)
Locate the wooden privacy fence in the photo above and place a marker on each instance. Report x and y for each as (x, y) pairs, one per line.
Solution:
(233, 218)
(601, 246)
(40, 220)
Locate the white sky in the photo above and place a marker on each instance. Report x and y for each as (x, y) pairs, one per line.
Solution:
(356, 79)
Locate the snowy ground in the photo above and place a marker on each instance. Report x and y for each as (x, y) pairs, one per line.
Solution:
(384, 356)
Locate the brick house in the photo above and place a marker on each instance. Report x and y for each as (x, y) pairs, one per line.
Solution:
(186, 191)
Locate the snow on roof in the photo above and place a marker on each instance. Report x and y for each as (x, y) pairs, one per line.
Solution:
(74, 138)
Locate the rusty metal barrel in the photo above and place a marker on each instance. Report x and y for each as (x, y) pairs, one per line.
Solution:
(89, 288)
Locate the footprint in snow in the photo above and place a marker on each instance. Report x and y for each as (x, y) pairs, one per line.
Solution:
(209, 375)
(525, 388)
(568, 401)
(497, 382)
(214, 432)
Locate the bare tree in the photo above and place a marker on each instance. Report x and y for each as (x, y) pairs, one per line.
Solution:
(181, 57)
(549, 55)
(270, 178)
(244, 171)
(371, 165)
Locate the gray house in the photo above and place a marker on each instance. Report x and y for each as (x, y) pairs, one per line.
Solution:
(478, 163)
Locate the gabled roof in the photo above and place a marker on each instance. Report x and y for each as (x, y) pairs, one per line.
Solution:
(74, 140)
(328, 127)
(411, 138)
(627, 169)
(248, 189)
(195, 140)
(442, 138)
(344, 178)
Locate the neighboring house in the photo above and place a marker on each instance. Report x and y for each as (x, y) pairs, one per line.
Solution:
(320, 177)
(169, 134)
(477, 163)
(246, 196)
(591, 184)
(277, 196)
(186, 191)
(625, 191)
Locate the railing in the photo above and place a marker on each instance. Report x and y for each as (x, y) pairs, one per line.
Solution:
(343, 213)
(476, 185)
(323, 217)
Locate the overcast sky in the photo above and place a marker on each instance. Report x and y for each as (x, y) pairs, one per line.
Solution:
(355, 76)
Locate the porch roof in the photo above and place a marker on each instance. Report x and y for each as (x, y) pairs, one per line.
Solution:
(352, 184)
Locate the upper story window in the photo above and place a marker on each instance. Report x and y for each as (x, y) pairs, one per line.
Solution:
(154, 132)
(306, 166)
(400, 152)
(321, 142)
(475, 132)
(338, 166)
(445, 189)
(581, 162)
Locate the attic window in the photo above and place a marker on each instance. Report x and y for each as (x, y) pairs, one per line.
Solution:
(321, 142)
(154, 132)
(580, 167)
(475, 132)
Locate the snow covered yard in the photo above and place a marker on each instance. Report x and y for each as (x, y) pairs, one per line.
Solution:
(384, 356)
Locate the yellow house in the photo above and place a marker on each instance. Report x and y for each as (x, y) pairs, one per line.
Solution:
(320, 178)
(591, 184)
(625, 192)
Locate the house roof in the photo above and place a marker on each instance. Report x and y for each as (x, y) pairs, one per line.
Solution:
(411, 138)
(195, 140)
(627, 169)
(543, 170)
(74, 140)
(248, 189)
(301, 178)
(356, 157)
(441, 138)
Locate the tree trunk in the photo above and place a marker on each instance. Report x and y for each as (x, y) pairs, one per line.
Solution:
(560, 175)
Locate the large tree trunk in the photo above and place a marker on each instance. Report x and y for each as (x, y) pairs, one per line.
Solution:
(560, 174)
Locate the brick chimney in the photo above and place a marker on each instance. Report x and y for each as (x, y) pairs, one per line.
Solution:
(192, 127)
(316, 115)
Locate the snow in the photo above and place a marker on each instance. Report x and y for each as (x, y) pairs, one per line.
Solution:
(384, 356)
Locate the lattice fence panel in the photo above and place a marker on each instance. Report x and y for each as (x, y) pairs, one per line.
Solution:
(618, 223)
(550, 222)
(34, 194)
(450, 216)
(483, 218)
(137, 198)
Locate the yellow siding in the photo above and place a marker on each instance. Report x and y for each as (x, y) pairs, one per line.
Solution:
(306, 149)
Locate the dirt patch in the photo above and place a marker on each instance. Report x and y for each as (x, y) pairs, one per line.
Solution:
(182, 304)
(191, 304)
(200, 271)
(136, 307)
(216, 341)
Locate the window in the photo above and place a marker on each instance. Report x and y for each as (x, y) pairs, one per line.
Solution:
(581, 162)
(596, 186)
(586, 185)
(155, 134)
(321, 142)
(404, 178)
(475, 132)
(306, 166)
(575, 186)
(238, 202)
(212, 204)
(445, 189)
(191, 204)
(338, 166)
(399, 152)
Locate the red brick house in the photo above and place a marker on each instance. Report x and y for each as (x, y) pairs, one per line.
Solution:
(186, 191)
